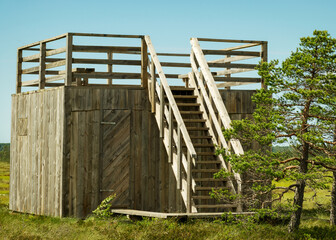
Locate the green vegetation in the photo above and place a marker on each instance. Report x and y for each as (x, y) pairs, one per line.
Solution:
(296, 107)
(315, 225)
(4, 152)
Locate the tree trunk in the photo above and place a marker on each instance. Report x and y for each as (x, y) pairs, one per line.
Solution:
(298, 202)
(333, 202)
(299, 192)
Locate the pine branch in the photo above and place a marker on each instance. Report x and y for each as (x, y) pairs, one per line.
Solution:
(290, 159)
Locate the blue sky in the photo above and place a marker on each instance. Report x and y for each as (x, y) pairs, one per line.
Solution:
(169, 23)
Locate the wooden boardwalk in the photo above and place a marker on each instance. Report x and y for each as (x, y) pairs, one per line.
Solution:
(138, 213)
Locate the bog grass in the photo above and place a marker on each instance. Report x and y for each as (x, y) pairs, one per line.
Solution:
(25, 226)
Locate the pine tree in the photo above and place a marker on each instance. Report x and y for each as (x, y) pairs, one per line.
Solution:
(298, 109)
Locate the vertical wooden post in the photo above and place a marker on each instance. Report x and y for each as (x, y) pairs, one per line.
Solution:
(179, 158)
(68, 65)
(189, 177)
(152, 69)
(19, 71)
(42, 65)
(186, 81)
(228, 75)
(109, 67)
(264, 54)
(220, 125)
(170, 135)
(162, 103)
(144, 64)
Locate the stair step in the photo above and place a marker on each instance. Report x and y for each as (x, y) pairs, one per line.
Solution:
(193, 120)
(209, 180)
(185, 96)
(206, 154)
(188, 104)
(202, 197)
(209, 188)
(197, 128)
(200, 137)
(205, 170)
(179, 88)
(208, 162)
(191, 112)
(203, 145)
(217, 206)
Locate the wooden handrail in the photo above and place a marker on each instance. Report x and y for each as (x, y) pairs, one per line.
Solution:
(184, 185)
(214, 96)
(170, 98)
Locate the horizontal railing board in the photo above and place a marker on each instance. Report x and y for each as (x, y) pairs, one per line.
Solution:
(237, 79)
(232, 71)
(228, 40)
(242, 46)
(103, 75)
(231, 59)
(114, 49)
(232, 65)
(46, 84)
(35, 70)
(232, 84)
(48, 53)
(43, 41)
(175, 64)
(106, 61)
(46, 60)
(173, 54)
(233, 53)
(47, 79)
(106, 35)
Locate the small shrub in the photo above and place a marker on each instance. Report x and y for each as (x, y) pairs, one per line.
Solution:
(104, 209)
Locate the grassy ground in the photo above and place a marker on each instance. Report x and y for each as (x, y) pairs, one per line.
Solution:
(24, 226)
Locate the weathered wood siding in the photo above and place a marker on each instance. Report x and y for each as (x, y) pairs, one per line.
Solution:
(36, 152)
(67, 154)
(102, 158)
(238, 103)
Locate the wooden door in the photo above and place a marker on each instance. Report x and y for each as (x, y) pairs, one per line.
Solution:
(116, 156)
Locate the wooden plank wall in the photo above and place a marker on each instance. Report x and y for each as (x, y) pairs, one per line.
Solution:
(142, 153)
(36, 152)
(238, 103)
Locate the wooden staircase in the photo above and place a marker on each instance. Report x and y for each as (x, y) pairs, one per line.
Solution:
(207, 163)
(191, 118)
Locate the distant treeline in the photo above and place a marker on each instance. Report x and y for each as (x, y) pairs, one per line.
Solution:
(4, 152)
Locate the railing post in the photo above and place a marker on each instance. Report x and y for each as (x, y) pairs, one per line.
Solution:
(170, 135)
(263, 59)
(68, 65)
(228, 75)
(42, 67)
(162, 103)
(152, 72)
(179, 158)
(19, 71)
(109, 67)
(189, 179)
(144, 64)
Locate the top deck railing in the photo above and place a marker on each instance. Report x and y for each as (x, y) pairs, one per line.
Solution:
(68, 63)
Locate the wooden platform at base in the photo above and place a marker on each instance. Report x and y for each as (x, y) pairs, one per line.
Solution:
(139, 213)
